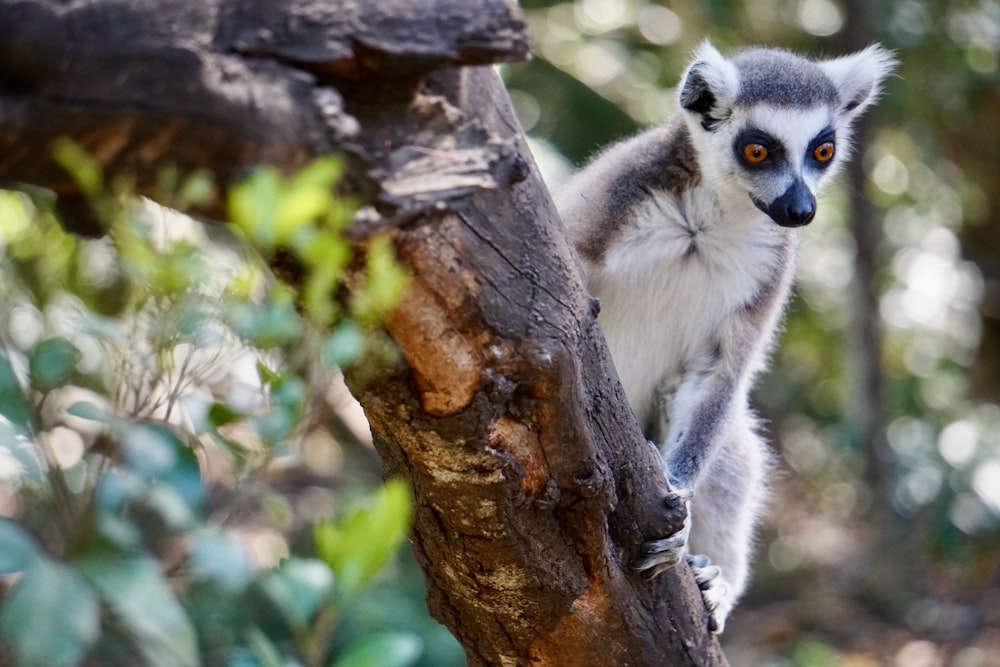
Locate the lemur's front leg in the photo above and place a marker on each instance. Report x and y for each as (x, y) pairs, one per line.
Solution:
(701, 416)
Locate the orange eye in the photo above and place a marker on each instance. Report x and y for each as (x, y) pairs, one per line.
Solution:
(754, 153)
(823, 152)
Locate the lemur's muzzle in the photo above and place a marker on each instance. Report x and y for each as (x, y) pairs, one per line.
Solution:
(794, 208)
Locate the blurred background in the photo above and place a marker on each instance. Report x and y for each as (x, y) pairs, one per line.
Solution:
(883, 544)
(181, 460)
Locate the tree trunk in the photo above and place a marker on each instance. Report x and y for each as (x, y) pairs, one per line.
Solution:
(533, 484)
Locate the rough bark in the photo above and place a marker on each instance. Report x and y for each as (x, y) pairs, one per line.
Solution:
(532, 481)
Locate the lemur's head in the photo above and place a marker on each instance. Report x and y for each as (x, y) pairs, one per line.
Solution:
(775, 124)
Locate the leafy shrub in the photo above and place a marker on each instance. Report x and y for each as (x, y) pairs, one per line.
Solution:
(161, 397)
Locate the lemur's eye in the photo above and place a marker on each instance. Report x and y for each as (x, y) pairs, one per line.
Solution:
(754, 153)
(823, 152)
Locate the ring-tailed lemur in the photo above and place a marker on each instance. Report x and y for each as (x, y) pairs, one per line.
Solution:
(685, 232)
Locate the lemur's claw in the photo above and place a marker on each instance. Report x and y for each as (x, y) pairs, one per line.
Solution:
(714, 590)
(677, 495)
(656, 556)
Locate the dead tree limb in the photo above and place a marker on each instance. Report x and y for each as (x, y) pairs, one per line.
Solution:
(532, 481)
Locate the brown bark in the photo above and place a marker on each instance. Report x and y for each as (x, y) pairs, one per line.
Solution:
(532, 482)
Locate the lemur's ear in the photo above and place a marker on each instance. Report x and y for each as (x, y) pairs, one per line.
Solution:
(858, 77)
(710, 86)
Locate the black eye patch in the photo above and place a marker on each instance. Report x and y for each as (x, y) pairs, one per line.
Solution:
(756, 149)
(822, 148)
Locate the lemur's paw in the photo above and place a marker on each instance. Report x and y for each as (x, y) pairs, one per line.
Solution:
(659, 555)
(714, 590)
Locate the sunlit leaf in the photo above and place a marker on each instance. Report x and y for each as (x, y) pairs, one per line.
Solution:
(52, 363)
(51, 616)
(198, 189)
(297, 208)
(322, 172)
(136, 590)
(253, 203)
(359, 545)
(83, 168)
(383, 649)
(385, 281)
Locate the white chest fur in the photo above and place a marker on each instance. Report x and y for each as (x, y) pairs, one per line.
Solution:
(680, 271)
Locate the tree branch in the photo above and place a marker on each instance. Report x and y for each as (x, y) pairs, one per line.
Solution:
(532, 481)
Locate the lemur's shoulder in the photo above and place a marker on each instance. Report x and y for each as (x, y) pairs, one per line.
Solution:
(599, 202)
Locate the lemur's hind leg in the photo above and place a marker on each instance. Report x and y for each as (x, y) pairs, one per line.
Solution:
(728, 499)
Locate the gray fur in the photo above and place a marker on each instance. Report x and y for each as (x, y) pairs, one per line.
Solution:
(690, 248)
(659, 159)
(783, 79)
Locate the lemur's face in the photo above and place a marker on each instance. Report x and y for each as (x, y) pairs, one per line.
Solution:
(776, 126)
(782, 157)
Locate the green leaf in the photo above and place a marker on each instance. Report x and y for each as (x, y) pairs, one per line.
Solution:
(84, 169)
(219, 557)
(87, 410)
(358, 546)
(17, 547)
(151, 449)
(156, 453)
(264, 652)
(298, 208)
(385, 282)
(268, 377)
(52, 363)
(271, 324)
(383, 649)
(24, 452)
(253, 204)
(345, 345)
(221, 414)
(288, 395)
(171, 506)
(135, 589)
(298, 588)
(13, 405)
(322, 172)
(198, 189)
(51, 617)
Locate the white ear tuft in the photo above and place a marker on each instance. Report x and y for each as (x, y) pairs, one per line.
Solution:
(858, 77)
(709, 86)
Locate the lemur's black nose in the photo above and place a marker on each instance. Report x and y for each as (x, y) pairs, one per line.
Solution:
(796, 207)
(801, 212)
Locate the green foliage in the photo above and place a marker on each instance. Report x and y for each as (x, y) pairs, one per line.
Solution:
(359, 545)
(51, 616)
(300, 215)
(153, 384)
(52, 363)
(136, 591)
(386, 649)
